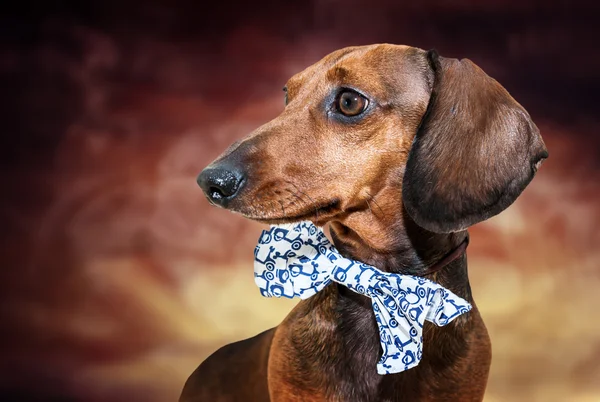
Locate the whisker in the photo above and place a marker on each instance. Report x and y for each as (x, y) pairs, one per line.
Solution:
(302, 200)
(375, 201)
(282, 208)
(272, 207)
(369, 205)
(311, 200)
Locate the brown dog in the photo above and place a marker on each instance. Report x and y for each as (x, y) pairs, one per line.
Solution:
(400, 151)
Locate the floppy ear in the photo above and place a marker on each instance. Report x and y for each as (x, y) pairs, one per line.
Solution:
(474, 153)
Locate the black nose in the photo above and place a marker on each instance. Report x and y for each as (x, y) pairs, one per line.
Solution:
(220, 183)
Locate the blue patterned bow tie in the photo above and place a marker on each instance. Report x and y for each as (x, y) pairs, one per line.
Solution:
(300, 261)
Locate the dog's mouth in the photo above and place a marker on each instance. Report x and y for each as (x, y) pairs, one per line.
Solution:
(319, 214)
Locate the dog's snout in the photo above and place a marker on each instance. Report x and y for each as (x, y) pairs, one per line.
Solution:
(220, 183)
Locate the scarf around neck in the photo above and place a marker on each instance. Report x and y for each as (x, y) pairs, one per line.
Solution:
(298, 261)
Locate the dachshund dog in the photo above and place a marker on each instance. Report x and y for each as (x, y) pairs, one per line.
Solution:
(399, 150)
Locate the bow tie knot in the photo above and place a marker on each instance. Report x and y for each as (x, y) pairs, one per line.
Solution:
(300, 261)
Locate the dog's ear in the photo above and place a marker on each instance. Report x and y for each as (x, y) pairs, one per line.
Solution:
(474, 153)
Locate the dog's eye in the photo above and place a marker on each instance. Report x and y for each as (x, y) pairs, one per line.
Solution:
(351, 103)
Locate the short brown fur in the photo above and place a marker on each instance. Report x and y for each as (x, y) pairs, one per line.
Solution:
(441, 146)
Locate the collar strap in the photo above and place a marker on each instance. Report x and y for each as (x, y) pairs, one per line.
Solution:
(448, 258)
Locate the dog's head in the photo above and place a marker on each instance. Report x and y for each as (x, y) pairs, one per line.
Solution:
(370, 132)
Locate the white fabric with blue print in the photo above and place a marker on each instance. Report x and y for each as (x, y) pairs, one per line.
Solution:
(298, 261)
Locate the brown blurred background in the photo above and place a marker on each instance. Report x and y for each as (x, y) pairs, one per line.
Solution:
(118, 278)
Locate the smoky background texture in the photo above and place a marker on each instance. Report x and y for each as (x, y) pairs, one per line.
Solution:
(118, 278)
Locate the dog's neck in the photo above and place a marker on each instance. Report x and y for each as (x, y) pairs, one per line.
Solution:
(342, 323)
(414, 251)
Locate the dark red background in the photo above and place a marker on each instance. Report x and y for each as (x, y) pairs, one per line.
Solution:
(118, 278)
